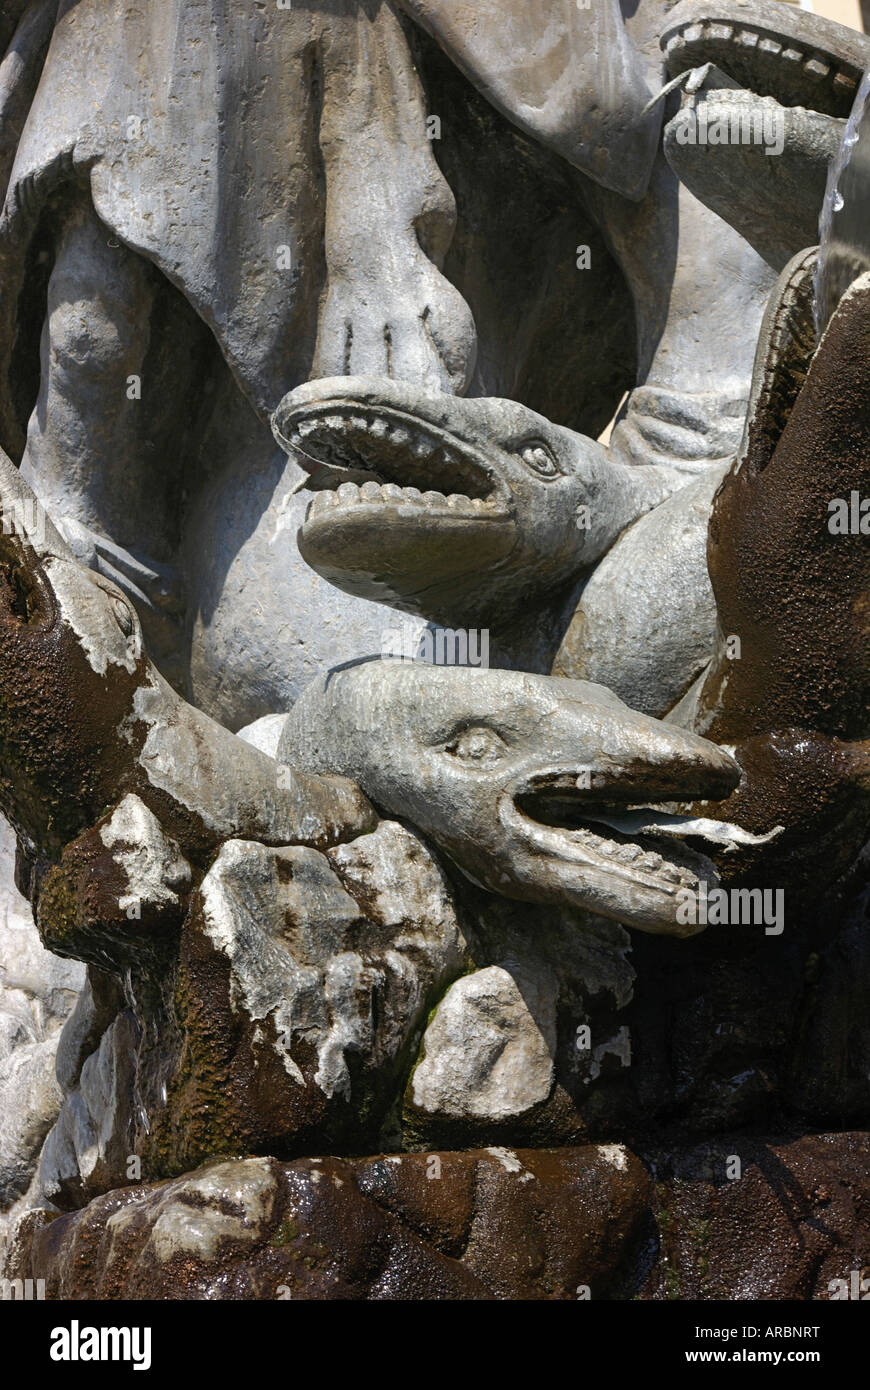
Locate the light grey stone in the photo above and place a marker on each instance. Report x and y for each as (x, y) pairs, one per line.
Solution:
(30, 1098)
(771, 189)
(192, 1218)
(288, 926)
(497, 768)
(100, 999)
(568, 558)
(175, 262)
(575, 80)
(37, 992)
(148, 253)
(696, 313)
(791, 77)
(156, 872)
(488, 1052)
(265, 733)
(88, 1149)
(188, 511)
(645, 625)
(493, 517)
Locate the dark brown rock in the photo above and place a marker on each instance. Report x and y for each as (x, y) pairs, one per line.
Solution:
(486, 1224)
(789, 1222)
(797, 1219)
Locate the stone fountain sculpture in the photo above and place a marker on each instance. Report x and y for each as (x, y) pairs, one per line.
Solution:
(491, 979)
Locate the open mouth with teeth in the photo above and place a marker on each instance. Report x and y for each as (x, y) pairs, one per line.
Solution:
(628, 860)
(379, 455)
(375, 467)
(620, 847)
(796, 58)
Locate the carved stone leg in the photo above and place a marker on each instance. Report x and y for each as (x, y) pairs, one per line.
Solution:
(105, 441)
(390, 217)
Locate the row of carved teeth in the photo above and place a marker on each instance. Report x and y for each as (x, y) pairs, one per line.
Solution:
(350, 494)
(624, 852)
(380, 428)
(747, 37)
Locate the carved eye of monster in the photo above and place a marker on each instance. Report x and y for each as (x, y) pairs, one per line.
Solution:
(540, 460)
(482, 746)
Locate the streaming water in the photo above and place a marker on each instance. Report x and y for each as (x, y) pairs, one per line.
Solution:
(844, 224)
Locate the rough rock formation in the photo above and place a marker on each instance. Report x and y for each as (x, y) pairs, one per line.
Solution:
(475, 1225)
(37, 993)
(529, 1224)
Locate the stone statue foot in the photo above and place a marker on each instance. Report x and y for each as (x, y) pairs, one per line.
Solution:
(411, 324)
(390, 217)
